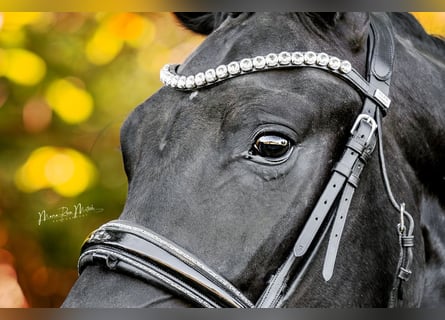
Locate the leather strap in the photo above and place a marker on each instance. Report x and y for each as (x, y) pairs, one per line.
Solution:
(353, 77)
(342, 171)
(362, 131)
(124, 246)
(347, 171)
(382, 65)
(120, 260)
(342, 211)
(381, 48)
(380, 61)
(383, 54)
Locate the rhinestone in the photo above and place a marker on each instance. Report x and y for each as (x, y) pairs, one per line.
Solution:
(284, 57)
(100, 235)
(165, 67)
(322, 59)
(259, 62)
(190, 82)
(233, 67)
(170, 77)
(345, 66)
(167, 79)
(200, 79)
(271, 59)
(297, 58)
(181, 82)
(246, 65)
(174, 81)
(210, 75)
(334, 63)
(162, 76)
(221, 71)
(310, 57)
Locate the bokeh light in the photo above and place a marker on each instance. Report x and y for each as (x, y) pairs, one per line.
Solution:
(18, 20)
(70, 102)
(103, 47)
(434, 23)
(132, 28)
(37, 115)
(66, 171)
(22, 66)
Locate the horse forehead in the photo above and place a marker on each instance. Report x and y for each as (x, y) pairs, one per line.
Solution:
(250, 36)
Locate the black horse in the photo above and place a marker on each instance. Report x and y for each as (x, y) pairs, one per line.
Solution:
(235, 172)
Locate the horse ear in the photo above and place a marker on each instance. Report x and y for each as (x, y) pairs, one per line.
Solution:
(324, 19)
(355, 25)
(201, 22)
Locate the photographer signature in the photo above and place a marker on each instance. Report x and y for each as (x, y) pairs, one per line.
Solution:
(67, 213)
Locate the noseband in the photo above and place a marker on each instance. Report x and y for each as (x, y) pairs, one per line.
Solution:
(126, 247)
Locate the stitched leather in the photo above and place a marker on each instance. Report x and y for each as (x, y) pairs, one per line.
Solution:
(383, 56)
(152, 252)
(277, 284)
(337, 229)
(344, 168)
(342, 212)
(332, 190)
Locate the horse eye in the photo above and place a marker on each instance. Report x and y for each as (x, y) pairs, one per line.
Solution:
(271, 146)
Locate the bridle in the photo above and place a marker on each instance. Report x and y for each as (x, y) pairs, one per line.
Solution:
(127, 247)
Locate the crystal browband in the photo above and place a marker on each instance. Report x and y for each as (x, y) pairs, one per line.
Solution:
(235, 68)
(341, 68)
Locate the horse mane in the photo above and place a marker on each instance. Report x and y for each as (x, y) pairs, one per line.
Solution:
(201, 22)
(409, 25)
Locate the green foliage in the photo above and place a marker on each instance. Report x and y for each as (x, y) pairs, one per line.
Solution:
(60, 147)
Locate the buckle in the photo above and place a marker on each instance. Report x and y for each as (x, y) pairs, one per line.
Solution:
(367, 119)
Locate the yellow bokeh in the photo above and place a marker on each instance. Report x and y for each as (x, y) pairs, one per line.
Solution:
(71, 103)
(15, 38)
(103, 47)
(65, 170)
(126, 26)
(30, 177)
(16, 20)
(59, 168)
(433, 22)
(22, 66)
(132, 28)
(113, 32)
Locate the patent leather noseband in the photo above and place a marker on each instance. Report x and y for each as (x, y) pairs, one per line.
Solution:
(122, 245)
(126, 247)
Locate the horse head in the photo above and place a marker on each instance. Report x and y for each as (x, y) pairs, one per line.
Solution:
(224, 178)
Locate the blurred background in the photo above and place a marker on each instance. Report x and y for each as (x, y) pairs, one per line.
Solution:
(67, 82)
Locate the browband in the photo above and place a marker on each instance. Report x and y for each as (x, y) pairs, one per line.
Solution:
(323, 61)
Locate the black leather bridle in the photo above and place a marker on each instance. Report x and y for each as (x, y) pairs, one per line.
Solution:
(127, 247)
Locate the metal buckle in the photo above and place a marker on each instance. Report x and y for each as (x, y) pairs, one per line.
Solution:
(369, 120)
